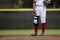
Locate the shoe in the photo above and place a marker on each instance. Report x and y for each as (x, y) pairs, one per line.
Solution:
(34, 34)
(42, 34)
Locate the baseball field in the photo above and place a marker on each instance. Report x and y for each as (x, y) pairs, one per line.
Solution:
(21, 19)
(50, 34)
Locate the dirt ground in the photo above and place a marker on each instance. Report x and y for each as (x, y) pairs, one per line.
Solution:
(29, 37)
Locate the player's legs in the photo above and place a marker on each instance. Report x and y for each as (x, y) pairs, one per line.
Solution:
(43, 18)
(36, 21)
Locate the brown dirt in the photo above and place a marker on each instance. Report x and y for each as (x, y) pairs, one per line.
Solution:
(29, 37)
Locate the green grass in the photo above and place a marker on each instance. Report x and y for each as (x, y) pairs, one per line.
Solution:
(19, 32)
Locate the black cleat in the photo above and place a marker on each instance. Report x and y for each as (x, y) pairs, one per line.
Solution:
(34, 34)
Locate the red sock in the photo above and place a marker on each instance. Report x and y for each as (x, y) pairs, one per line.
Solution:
(36, 29)
(43, 27)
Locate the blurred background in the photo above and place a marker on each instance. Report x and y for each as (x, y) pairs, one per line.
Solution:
(25, 4)
(24, 19)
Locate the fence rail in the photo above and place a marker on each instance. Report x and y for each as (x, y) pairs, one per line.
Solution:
(58, 9)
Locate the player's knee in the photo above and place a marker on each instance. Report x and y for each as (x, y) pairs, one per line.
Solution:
(43, 21)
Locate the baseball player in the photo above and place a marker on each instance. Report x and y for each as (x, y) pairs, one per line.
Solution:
(39, 9)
